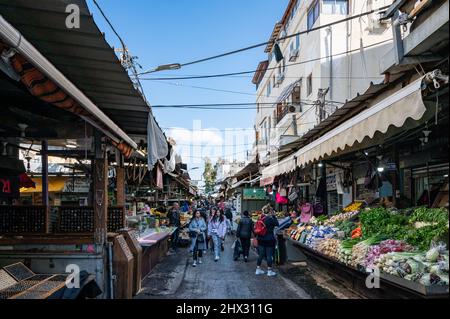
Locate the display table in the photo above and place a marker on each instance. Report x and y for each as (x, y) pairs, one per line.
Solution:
(390, 286)
(155, 245)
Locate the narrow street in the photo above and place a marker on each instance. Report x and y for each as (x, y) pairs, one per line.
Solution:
(175, 278)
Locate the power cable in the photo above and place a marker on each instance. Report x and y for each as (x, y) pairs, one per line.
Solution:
(280, 39)
(229, 106)
(268, 69)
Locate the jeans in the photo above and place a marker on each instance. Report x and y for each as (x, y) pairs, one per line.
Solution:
(229, 226)
(198, 253)
(217, 244)
(265, 252)
(245, 243)
(174, 239)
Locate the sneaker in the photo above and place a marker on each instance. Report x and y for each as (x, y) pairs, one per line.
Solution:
(194, 264)
(217, 258)
(271, 273)
(199, 260)
(245, 259)
(259, 271)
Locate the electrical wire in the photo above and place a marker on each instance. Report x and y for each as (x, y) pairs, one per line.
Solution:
(268, 69)
(110, 24)
(222, 90)
(280, 39)
(228, 106)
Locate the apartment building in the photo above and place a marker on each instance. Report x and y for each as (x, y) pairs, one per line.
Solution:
(319, 69)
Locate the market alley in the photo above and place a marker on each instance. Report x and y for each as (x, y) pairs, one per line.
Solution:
(176, 278)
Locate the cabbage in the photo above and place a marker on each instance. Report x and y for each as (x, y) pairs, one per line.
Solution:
(433, 254)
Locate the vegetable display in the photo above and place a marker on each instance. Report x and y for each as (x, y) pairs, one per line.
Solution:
(397, 242)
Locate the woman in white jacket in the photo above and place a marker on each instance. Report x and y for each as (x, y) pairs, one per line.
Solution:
(217, 229)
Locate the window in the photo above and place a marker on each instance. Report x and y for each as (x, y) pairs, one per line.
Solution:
(335, 7)
(297, 41)
(257, 107)
(269, 88)
(309, 85)
(296, 95)
(313, 14)
(274, 81)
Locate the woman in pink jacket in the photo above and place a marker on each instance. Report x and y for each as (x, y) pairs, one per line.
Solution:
(217, 229)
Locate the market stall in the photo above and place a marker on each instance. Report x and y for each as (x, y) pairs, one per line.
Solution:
(409, 248)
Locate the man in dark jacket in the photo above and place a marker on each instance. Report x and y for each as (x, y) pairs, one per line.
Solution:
(244, 233)
(267, 243)
(175, 221)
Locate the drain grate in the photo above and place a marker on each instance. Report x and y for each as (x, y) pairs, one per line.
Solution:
(19, 271)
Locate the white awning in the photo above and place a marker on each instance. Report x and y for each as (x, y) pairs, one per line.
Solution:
(392, 111)
(284, 166)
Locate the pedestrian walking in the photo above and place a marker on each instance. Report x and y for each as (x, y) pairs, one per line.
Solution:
(244, 233)
(197, 228)
(229, 216)
(264, 231)
(217, 229)
(175, 221)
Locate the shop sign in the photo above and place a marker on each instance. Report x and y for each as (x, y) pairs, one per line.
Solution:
(77, 185)
(331, 182)
(9, 186)
(254, 193)
(391, 167)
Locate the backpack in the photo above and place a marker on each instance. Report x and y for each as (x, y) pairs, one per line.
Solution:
(260, 227)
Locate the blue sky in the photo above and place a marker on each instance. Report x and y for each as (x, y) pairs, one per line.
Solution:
(179, 31)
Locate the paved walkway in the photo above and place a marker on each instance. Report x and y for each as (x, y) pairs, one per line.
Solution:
(175, 278)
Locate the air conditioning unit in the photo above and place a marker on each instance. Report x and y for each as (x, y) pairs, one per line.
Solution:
(294, 108)
(293, 55)
(280, 78)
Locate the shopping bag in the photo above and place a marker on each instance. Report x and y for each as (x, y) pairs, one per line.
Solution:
(254, 242)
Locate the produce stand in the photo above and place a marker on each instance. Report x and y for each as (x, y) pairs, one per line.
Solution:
(408, 248)
(390, 286)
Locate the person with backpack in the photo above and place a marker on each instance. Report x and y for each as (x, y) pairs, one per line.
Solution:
(197, 228)
(244, 233)
(217, 229)
(265, 236)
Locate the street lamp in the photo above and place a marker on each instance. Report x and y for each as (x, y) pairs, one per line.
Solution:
(164, 67)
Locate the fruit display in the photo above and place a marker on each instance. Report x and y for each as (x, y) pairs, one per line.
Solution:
(355, 206)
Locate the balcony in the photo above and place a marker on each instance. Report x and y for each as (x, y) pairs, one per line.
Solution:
(425, 42)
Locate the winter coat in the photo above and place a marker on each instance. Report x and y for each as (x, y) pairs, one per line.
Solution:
(219, 227)
(194, 225)
(269, 238)
(174, 218)
(245, 228)
(228, 214)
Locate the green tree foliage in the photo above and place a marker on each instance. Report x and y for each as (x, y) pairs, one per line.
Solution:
(209, 175)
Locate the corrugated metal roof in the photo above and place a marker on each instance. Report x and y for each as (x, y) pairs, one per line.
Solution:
(82, 55)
